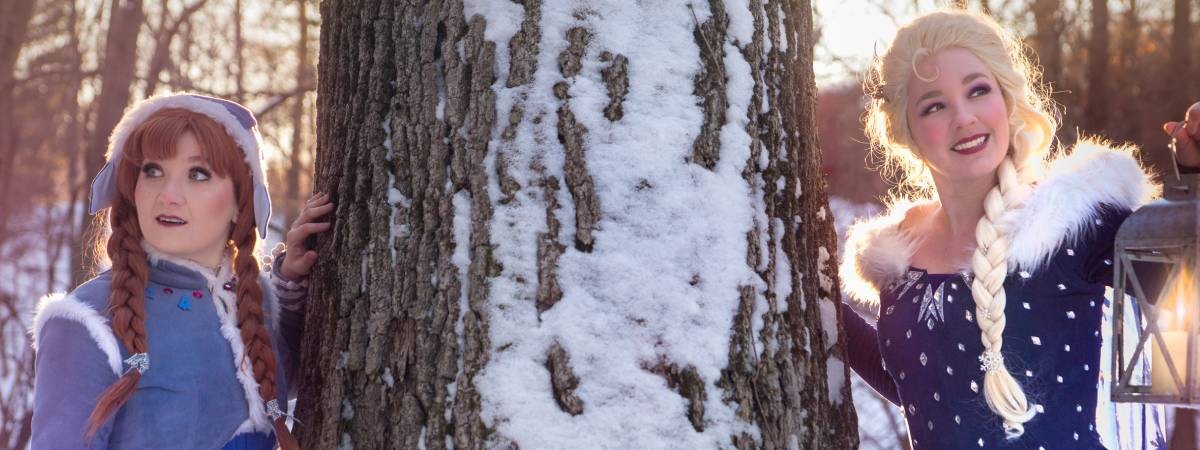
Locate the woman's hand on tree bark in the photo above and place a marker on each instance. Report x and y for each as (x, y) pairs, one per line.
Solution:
(300, 259)
(1187, 137)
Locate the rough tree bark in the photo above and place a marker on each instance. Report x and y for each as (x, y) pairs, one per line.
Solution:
(561, 225)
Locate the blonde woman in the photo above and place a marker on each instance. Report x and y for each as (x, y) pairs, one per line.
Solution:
(988, 269)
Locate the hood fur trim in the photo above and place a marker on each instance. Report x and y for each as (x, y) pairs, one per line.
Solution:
(877, 253)
(1062, 206)
(62, 306)
(238, 121)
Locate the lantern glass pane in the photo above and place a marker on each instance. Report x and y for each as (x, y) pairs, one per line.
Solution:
(1156, 355)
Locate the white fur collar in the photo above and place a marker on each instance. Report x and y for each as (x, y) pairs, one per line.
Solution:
(877, 252)
(62, 306)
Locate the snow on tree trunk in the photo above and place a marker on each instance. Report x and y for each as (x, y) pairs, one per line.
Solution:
(572, 225)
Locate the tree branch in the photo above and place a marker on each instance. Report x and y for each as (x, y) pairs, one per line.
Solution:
(162, 48)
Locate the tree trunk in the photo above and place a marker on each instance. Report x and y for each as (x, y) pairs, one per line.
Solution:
(295, 165)
(117, 76)
(1048, 38)
(1127, 84)
(1099, 89)
(1185, 437)
(14, 25)
(1181, 56)
(161, 57)
(560, 225)
(239, 54)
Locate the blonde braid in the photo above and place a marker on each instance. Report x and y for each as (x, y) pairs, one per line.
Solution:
(1003, 394)
(1033, 120)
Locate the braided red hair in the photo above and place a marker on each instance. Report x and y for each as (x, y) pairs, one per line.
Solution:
(156, 139)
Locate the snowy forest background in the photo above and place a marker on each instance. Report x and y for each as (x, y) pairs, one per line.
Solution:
(68, 68)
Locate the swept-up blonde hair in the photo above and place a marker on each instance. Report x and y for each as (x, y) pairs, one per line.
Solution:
(1032, 125)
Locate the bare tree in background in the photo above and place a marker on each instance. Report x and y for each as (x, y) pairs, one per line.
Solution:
(1096, 110)
(468, 205)
(21, 235)
(14, 23)
(1125, 72)
(1047, 16)
(117, 76)
(168, 29)
(303, 81)
(61, 64)
(239, 54)
(1182, 39)
(16, 405)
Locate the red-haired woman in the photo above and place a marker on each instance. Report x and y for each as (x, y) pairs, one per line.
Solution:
(181, 343)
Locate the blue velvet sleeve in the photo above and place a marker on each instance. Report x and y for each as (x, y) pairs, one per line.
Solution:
(70, 374)
(1099, 260)
(862, 351)
(1098, 243)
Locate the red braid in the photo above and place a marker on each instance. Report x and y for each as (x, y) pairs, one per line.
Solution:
(127, 301)
(126, 306)
(156, 138)
(250, 317)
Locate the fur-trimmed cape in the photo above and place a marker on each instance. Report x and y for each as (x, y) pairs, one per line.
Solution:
(87, 306)
(878, 252)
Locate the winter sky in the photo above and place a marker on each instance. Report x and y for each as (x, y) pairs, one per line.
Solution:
(853, 31)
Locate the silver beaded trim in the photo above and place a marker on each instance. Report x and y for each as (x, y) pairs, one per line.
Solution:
(139, 362)
(273, 410)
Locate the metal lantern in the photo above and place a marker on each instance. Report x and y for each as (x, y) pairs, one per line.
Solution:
(1155, 258)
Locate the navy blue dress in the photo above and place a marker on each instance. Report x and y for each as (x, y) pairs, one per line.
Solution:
(924, 356)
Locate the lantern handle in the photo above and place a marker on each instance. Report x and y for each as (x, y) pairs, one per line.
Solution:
(1183, 187)
(1175, 149)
